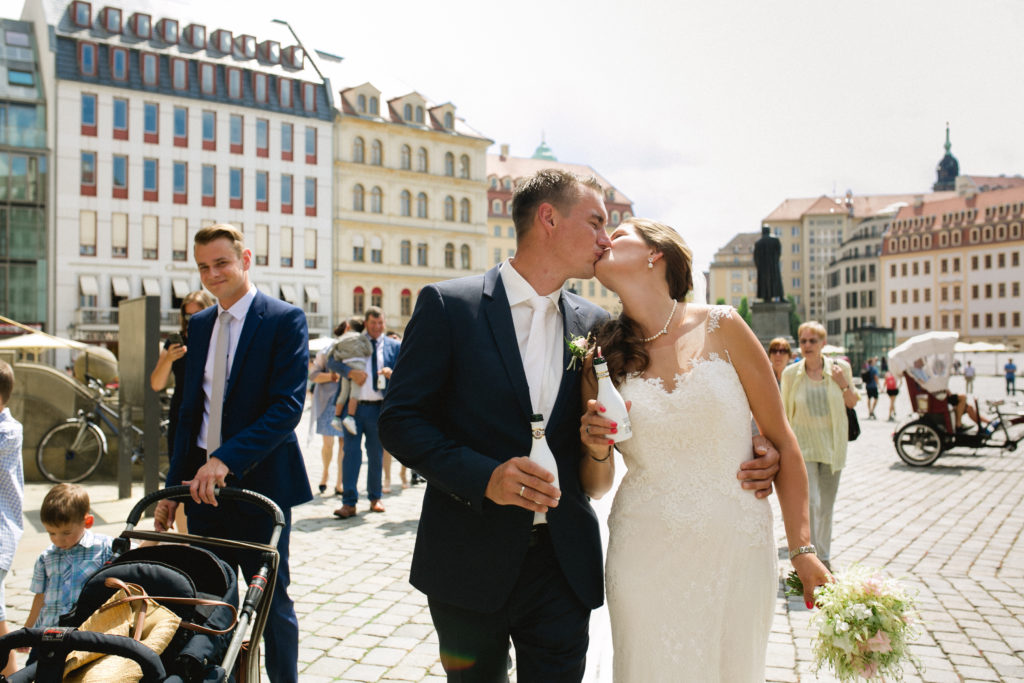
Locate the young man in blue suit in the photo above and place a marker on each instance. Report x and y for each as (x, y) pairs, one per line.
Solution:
(371, 386)
(458, 412)
(262, 384)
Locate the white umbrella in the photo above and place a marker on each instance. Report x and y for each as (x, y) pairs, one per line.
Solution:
(830, 350)
(319, 344)
(38, 341)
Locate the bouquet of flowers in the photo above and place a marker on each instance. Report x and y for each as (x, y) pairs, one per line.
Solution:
(865, 622)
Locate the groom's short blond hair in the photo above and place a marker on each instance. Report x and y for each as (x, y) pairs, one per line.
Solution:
(562, 189)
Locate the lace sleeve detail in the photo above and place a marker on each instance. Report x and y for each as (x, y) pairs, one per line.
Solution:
(715, 315)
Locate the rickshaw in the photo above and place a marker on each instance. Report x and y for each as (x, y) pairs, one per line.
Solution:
(925, 362)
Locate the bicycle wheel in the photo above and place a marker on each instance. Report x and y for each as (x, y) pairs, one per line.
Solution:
(70, 451)
(918, 444)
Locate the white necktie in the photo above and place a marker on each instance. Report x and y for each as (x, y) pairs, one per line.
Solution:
(536, 360)
(220, 374)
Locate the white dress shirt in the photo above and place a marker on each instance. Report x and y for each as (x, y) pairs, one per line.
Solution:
(238, 313)
(519, 293)
(368, 392)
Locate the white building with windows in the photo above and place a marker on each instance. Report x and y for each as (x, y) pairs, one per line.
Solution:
(732, 274)
(167, 118)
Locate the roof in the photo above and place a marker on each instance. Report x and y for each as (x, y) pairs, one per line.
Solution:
(520, 167)
(864, 206)
(973, 208)
(742, 243)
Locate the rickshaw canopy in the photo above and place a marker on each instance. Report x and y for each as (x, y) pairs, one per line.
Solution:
(928, 358)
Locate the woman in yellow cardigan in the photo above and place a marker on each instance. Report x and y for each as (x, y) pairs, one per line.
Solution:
(816, 392)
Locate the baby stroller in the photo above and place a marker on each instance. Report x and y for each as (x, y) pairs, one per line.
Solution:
(186, 578)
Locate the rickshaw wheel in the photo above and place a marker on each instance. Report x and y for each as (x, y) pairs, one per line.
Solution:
(918, 444)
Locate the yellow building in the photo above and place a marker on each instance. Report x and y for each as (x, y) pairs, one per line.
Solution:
(503, 172)
(733, 274)
(409, 195)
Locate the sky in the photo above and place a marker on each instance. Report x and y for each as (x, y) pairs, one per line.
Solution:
(706, 114)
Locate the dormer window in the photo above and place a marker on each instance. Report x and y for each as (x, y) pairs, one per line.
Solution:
(419, 114)
(110, 19)
(245, 47)
(292, 56)
(449, 120)
(220, 40)
(142, 25)
(195, 36)
(407, 112)
(374, 106)
(270, 51)
(361, 104)
(81, 14)
(167, 30)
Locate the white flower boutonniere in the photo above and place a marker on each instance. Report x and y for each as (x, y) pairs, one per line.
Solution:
(578, 347)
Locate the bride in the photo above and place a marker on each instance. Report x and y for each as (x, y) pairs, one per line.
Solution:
(691, 572)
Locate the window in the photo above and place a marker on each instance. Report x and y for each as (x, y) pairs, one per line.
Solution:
(235, 133)
(358, 300)
(88, 114)
(449, 165)
(120, 176)
(220, 40)
(23, 78)
(374, 105)
(422, 162)
(287, 181)
(262, 138)
(180, 127)
(167, 29)
(405, 303)
(449, 120)
(419, 114)
(309, 245)
(309, 97)
(179, 239)
(150, 238)
(87, 58)
(180, 179)
(284, 92)
(209, 130)
(149, 180)
(407, 112)
(361, 104)
(262, 189)
(358, 248)
(1015, 288)
(464, 257)
(376, 200)
(234, 82)
(377, 297)
(1002, 290)
(405, 252)
(260, 87)
(310, 196)
(119, 63)
(464, 166)
(405, 203)
(119, 235)
(209, 185)
(179, 73)
(406, 158)
(496, 206)
(497, 255)
(449, 255)
(988, 290)
(207, 79)
(287, 136)
(376, 153)
(988, 261)
(120, 119)
(150, 122)
(974, 263)
(81, 13)
(358, 151)
(262, 245)
(235, 188)
(287, 245)
(421, 254)
(87, 233)
(464, 216)
(150, 70)
(376, 250)
(195, 34)
(449, 213)
(310, 145)
(421, 205)
(358, 196)
(956, 264)
(111, 19)
(1001, 260)
(88, 174)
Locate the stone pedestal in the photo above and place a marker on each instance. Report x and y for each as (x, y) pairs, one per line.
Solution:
(770, 319)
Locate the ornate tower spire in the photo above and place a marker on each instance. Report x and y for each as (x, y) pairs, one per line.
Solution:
(948, 168)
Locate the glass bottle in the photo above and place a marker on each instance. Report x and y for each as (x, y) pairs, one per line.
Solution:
(609, 397)
(541, 454)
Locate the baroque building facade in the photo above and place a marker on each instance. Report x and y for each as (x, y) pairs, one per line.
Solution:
(732, 274)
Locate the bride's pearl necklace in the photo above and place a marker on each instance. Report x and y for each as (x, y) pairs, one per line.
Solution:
(664, 329)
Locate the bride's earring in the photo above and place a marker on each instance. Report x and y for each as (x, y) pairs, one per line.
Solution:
(650, 262)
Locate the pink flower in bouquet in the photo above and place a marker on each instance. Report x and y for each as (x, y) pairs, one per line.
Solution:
(870, 669)
(879, 642)
(874, 585)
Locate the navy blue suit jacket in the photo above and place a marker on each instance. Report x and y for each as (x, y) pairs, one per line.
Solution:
(459, 406)
(263, 400)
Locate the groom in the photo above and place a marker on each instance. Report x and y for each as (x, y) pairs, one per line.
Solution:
(458, 412)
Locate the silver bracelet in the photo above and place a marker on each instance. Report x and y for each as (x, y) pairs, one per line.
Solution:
(802, 550)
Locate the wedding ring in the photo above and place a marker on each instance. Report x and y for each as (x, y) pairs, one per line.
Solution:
(587, 428)
(521, 489)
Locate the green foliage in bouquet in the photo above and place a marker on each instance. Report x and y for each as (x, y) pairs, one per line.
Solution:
(865, 623)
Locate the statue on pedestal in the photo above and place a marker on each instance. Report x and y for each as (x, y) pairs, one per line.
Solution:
(767, 251)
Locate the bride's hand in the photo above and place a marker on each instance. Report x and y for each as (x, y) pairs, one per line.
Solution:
(812, 574)
(595, 429)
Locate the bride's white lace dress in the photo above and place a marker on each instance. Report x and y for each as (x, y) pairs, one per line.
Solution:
(691, 567)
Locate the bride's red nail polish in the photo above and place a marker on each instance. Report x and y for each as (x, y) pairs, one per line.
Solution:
(602, 409)
(610, 442)
(810, 605)
(614, 430)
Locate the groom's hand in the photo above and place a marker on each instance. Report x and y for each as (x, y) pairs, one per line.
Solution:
(758, 474)
(522, 482)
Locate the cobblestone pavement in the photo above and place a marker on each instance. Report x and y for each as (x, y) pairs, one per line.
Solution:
(952, 531)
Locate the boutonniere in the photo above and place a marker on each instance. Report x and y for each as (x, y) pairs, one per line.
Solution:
(578, 347)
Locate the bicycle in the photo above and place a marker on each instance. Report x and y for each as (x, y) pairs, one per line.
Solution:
(71, 450)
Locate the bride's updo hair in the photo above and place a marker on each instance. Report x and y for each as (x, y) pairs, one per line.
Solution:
(620, 339)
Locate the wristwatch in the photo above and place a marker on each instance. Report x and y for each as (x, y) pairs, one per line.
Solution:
(803, 550)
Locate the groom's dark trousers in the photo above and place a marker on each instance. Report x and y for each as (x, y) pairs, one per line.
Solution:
(457, 407)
